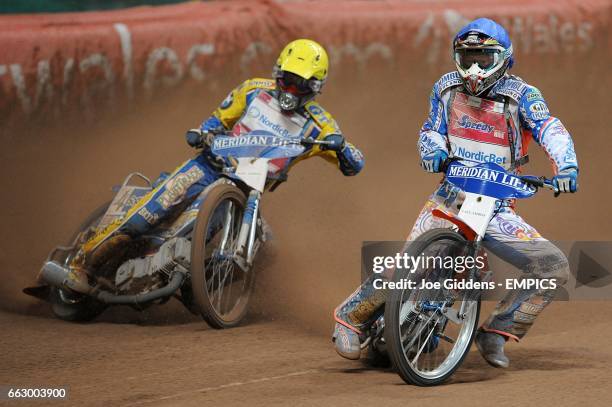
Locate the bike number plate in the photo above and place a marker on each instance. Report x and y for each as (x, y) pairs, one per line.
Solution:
(253, 172)
(476, 212)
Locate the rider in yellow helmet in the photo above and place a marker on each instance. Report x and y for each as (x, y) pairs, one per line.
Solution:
(298, 77)
(283, 106)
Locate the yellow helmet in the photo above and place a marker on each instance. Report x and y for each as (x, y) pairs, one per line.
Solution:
(300, 72)
(305, 58)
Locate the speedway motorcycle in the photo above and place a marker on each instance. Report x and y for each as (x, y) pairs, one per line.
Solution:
(203, 255)
(427, 331)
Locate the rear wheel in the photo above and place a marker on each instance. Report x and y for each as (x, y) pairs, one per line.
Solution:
(74, 307)
(69, 305)
(221, 289)
(429, 331)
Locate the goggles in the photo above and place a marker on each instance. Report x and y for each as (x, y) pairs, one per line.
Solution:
(485, 58)
(295, 84)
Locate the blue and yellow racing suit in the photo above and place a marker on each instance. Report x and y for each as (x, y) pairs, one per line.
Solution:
(243, 110)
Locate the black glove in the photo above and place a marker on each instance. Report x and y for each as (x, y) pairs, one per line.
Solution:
(196, 138)
(337, 142)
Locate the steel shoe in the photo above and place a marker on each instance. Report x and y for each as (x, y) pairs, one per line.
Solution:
(347, 341)
(491, 347)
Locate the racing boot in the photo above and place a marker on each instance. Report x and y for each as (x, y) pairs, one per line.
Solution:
(491, 347)
(347, 341)
(354, 316)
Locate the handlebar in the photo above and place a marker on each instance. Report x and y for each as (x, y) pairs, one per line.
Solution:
(308, 141)
(303, 141)
(538, 182)
(447, 162)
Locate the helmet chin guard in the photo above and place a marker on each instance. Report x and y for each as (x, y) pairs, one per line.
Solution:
(477, 80)
(294, 91)
(474, 84)
(288, 101)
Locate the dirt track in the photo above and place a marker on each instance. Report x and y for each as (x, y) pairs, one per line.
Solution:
(165, 357)
(278, 363)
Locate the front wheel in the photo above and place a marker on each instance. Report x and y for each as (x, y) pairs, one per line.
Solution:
(429, 331)
(221, 289)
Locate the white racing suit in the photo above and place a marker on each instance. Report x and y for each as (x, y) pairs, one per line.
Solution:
(496, 129)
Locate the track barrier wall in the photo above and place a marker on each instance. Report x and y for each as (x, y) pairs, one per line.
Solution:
(54, 63)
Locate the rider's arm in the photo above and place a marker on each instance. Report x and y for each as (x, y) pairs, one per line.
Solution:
(432, 144)
(349, 159)
(228, 112)
(433, 133)
(548, 131)
(232, 107)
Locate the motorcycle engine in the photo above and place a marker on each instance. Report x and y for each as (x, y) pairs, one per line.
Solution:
(144, 274)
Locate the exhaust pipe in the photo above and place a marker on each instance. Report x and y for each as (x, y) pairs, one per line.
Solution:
(59, 276)
(53, 274)
(175, 282)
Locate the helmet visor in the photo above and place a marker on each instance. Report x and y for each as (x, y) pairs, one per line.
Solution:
(294, 84)
(290, 82)
(485, 58)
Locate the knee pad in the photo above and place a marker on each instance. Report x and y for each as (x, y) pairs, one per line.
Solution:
(552, 264)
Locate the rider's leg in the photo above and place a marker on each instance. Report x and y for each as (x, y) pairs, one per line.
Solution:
(514, 241)
(359, 309)
(355, 314)
(185, 183)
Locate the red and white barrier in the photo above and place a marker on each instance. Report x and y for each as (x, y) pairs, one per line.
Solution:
(51, 62)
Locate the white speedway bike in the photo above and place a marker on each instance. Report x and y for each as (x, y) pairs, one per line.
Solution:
(427, 333)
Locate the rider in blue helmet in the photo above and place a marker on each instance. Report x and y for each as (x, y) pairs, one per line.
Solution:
(479, 112)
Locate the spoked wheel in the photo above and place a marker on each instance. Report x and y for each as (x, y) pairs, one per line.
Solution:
(69, 305)
(221, 289)
(429, 331)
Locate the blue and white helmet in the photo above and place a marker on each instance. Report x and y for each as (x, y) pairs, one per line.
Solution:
(482, 52)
